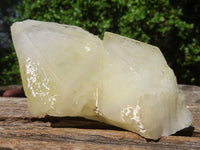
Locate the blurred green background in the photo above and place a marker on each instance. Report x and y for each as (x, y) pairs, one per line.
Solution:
(172, 25)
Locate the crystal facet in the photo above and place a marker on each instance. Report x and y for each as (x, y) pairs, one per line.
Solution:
(67, 71)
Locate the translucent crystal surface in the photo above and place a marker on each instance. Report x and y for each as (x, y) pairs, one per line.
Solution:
(66, 71)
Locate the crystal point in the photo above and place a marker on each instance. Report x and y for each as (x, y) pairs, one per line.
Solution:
(67, 71)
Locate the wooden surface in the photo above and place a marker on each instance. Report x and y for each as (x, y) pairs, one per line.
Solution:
(21, 130)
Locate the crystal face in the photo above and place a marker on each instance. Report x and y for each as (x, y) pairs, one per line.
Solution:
(67, 71)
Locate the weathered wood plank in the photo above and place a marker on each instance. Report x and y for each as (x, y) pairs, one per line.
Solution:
(21, 130)
(104, 138)
(191, 92)
(43, 145)
(13, 107)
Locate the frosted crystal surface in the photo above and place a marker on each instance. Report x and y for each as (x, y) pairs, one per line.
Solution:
(67, 71)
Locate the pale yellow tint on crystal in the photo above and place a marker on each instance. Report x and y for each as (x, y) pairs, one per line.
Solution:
(67, 71)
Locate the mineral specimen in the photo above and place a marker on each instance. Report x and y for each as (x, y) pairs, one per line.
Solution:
(67, 71)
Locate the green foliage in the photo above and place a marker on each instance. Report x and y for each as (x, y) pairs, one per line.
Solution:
(155, 22)
(9, 69)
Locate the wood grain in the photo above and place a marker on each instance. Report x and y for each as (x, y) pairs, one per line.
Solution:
(21, 130)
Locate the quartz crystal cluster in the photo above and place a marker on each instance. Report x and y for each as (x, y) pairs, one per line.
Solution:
(67, 71)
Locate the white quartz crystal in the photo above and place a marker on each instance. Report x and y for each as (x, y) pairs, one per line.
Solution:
(67, 71)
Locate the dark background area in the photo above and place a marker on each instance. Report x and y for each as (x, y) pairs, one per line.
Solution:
(172, 25)
(9, 70)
